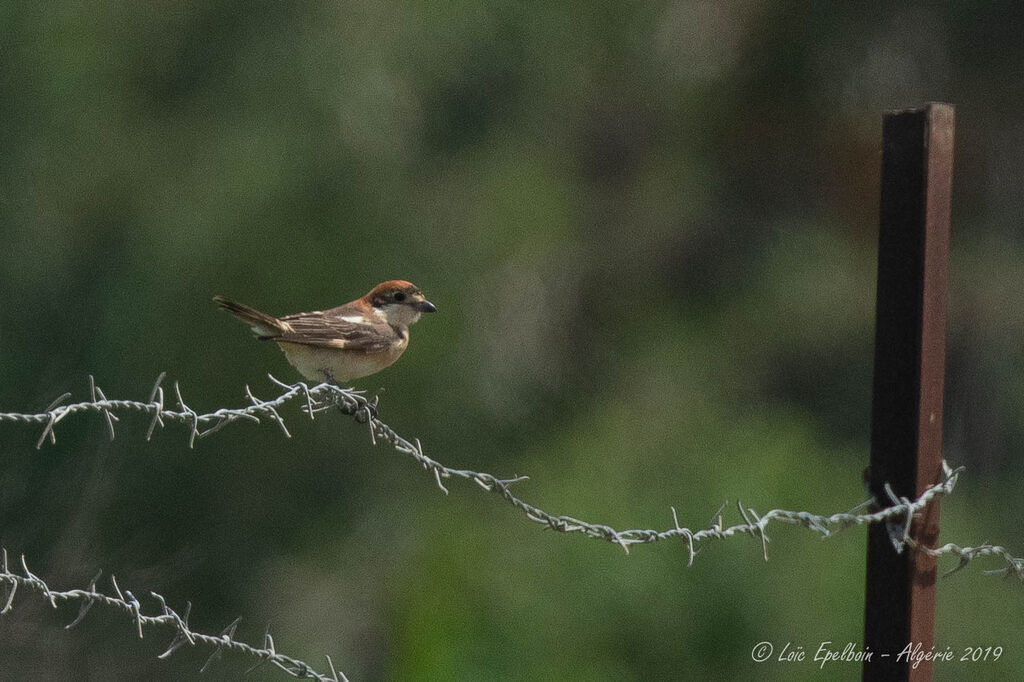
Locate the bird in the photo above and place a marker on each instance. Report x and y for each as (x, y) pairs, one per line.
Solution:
(354, 340)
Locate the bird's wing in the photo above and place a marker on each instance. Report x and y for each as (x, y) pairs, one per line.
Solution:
(329, 330)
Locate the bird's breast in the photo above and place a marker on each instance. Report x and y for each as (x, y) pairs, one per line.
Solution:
(344, 365)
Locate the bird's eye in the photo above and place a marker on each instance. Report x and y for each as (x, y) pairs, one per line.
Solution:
(399, 297)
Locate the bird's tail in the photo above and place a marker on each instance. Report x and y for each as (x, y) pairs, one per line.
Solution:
(263, 326)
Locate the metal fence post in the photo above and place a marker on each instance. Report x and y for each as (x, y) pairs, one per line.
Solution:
(906, 410)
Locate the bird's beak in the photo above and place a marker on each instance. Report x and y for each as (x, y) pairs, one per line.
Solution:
(426, 306)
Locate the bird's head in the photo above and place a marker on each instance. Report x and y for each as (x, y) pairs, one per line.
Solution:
(399, 302)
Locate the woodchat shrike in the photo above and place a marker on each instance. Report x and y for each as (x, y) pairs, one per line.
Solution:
(344, 343)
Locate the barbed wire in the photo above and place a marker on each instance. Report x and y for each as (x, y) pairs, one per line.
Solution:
(898, 516)
(128, 604)
(325, 396)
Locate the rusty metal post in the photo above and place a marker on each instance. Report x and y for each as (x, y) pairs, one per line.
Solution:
(906, 409)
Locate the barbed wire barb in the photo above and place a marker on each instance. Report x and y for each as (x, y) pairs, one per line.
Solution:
(268, 644)
(53, 418)
(190, 414)
(87, 602)
(156, 400)
(227, 635)
(36, 582)
(716, 521)
(756, 527)
(13, 588)
(270, 409)
(113, 581)
(338, 675)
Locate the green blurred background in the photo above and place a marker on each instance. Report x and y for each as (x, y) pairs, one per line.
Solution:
(650, 230)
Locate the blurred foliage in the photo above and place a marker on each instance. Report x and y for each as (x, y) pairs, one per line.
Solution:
(650, 230)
